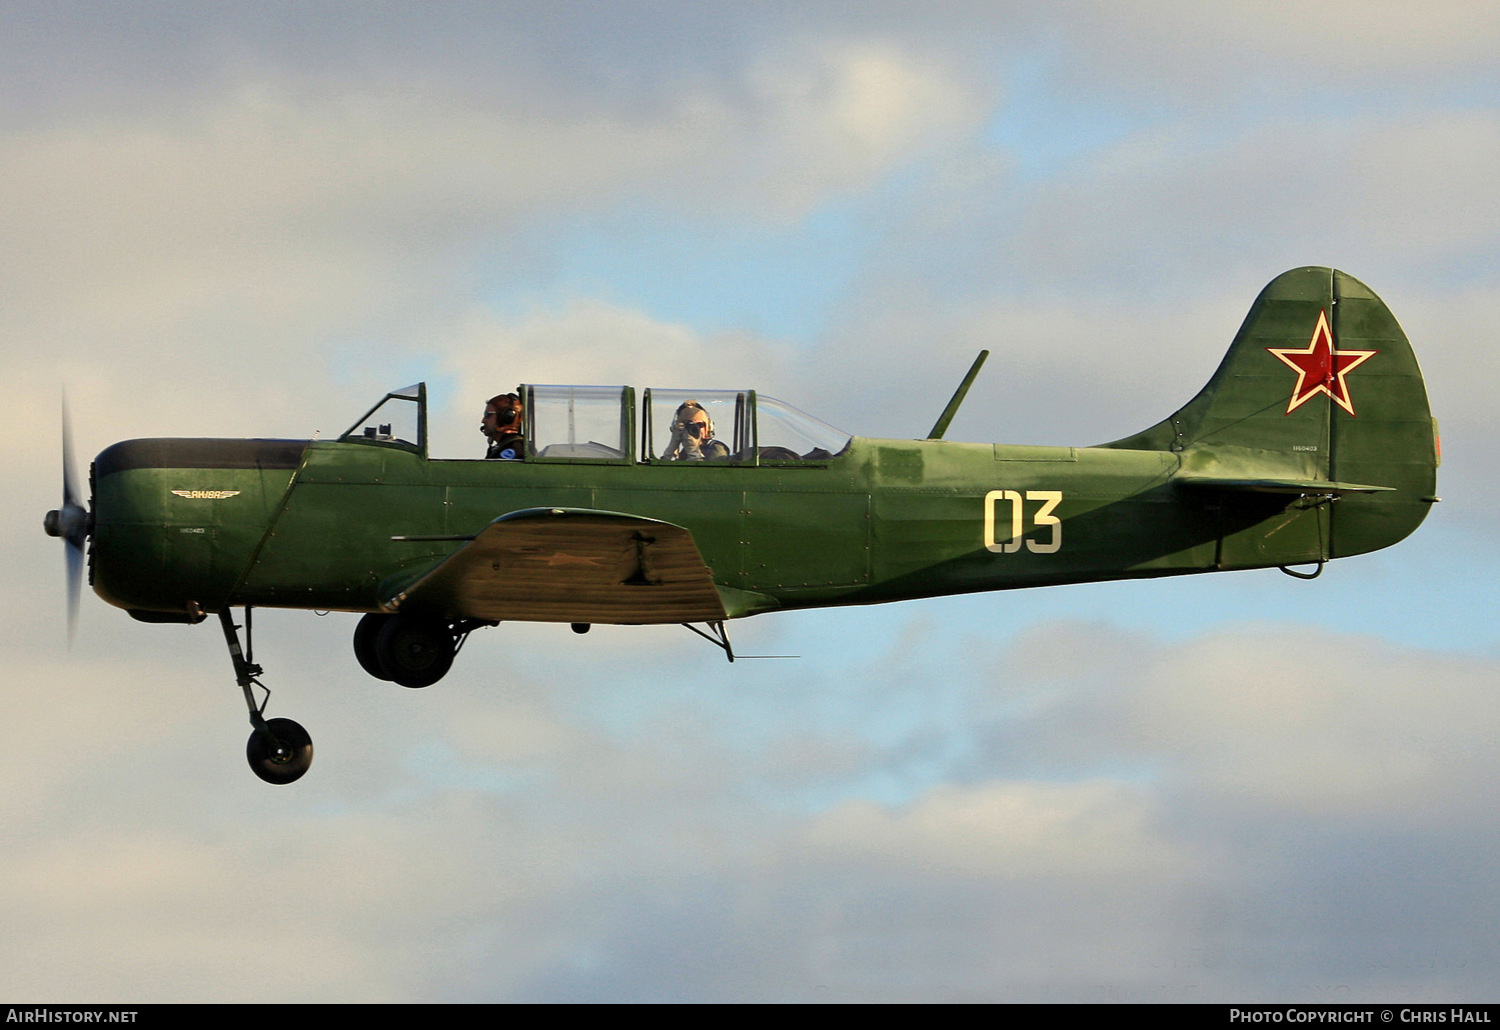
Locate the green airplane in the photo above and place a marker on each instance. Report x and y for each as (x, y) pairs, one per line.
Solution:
(1312, 441)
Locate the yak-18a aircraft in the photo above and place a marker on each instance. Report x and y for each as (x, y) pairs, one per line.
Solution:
(1312, 441)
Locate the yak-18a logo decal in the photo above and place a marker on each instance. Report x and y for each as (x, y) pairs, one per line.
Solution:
(1321, 368)
(206, 495)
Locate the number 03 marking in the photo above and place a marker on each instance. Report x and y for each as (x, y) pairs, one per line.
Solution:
(1044, 517)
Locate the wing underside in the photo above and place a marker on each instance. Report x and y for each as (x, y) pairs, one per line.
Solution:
(571, 565)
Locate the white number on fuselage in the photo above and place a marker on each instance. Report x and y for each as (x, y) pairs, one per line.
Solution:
(1012, 542)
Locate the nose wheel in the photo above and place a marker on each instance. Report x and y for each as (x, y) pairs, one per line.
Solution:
(279, 750)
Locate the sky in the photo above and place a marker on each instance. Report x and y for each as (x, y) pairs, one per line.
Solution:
(253, 220)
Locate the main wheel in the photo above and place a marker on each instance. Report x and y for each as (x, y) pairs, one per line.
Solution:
(366, 635)
(415, 651)
(283, 759)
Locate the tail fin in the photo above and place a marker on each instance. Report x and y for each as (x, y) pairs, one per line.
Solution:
(1319, 394)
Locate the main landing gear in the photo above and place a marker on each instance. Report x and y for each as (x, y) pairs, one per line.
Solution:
(408, 648)
(279, 750)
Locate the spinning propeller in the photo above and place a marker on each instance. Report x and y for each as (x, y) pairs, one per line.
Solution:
(72, 522)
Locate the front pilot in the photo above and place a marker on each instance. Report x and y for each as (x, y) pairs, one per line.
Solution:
(503, 425)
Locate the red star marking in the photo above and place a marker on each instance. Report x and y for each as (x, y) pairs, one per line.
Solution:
(1321, 368)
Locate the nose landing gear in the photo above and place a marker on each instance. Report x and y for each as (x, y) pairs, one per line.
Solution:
(408, 648)
(279, 750)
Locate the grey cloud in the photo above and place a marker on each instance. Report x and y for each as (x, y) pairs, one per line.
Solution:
(1281, 718)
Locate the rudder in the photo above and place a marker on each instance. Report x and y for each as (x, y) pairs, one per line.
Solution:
(1389, 437)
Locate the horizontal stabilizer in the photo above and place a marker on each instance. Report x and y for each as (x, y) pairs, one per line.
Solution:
(1278, 486)
(571, 565)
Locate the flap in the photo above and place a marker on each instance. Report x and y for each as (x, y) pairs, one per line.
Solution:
(571, 565)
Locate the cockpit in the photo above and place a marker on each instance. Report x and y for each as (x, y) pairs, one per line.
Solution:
(606, 425)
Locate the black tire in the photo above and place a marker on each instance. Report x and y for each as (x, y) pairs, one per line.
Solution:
(366, 635)
(286, 758)
(415, 651)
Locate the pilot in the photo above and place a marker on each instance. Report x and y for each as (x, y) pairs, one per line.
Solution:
(693, 435)
(504, 425)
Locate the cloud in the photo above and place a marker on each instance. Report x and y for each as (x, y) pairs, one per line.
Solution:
(1274, 719)
(841, 116)
(1215, 54)
(1007, 830)
(271, 193)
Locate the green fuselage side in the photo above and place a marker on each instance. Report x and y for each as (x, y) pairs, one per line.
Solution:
(886, 520)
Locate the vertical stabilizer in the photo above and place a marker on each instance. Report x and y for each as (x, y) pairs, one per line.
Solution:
(1319, 386)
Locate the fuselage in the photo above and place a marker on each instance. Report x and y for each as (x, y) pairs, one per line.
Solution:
(185, 526)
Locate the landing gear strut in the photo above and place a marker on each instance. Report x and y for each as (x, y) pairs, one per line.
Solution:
(279, 750)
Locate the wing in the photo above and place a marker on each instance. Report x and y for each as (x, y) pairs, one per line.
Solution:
(571, 565)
